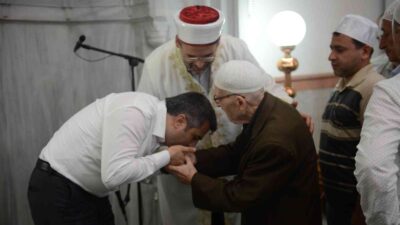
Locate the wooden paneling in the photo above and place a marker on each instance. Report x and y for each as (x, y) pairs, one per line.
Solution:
(311, 82)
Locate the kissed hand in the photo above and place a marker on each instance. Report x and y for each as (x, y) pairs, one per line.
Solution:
(177, 154)
(192, 157)
(184, 172)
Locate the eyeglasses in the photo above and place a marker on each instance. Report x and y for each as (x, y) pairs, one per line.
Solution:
(216, 99)
(207, 59)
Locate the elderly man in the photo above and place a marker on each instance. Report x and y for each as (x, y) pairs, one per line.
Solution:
(377, 162)
(351, 49)
(108, 143)
(390, 68)
(188, 63)
(273, 159)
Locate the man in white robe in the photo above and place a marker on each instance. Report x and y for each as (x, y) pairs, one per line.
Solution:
(377, 159)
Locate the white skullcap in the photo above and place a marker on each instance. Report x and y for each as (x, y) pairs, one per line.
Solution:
(199, 24)
(237, 76)
(388, 15)
(360, 29)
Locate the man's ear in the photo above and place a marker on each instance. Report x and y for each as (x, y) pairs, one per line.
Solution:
(177, 42)
(366, 52)
(241, 102)
(180, 122)
(218, 41)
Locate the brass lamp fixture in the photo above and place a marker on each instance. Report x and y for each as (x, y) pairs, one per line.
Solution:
(287, 64)
(286, 30)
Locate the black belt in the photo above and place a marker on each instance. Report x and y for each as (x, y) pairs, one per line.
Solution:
(45, 166)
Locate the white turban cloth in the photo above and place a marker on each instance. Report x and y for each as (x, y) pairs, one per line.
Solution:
(238, 76)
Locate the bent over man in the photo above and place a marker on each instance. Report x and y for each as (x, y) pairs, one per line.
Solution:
(109, 143)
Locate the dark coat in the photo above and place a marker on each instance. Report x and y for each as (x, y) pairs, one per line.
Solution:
(275, 166)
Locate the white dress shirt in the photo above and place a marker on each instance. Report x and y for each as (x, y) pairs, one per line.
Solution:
(377, 159)
(110, 142)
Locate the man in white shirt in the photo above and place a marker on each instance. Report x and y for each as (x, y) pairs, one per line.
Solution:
(377, 159)
(108, 143)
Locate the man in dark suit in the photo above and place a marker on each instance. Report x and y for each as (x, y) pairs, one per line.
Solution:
(273, 159)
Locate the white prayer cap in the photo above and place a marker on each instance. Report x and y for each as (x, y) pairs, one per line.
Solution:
(388, 15)
(237, 76)
(199, 24)
(360, 29)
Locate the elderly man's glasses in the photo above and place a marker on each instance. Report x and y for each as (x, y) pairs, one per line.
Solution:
(207, 59)
(216, 99)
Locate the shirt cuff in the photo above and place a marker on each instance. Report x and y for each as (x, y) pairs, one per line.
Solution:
(162, 158)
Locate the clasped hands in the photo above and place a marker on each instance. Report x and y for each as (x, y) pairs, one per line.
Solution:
(182, 163)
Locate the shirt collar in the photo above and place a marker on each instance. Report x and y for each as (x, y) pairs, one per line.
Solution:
(358, 78)
(161, 120)
(395, 71)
